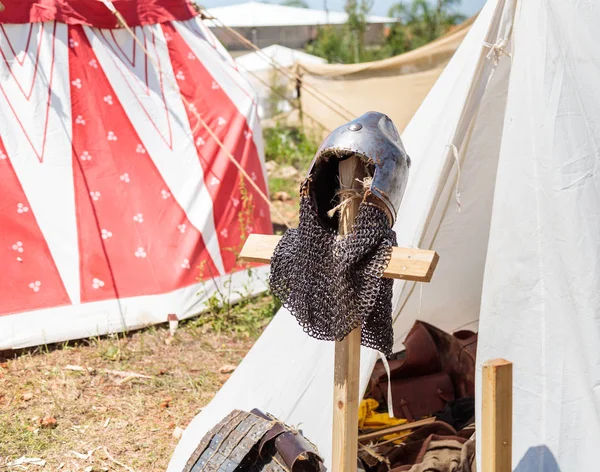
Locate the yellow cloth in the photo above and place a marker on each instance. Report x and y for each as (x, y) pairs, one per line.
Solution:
(368, 418)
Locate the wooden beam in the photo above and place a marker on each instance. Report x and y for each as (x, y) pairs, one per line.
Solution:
(395, 429)
(346, 372)
(407, 263)
(496, 417)
(346, 384)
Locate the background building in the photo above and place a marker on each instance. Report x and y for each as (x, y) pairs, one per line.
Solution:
(265, 24)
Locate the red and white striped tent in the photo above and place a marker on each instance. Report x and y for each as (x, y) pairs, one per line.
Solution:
(119, 203)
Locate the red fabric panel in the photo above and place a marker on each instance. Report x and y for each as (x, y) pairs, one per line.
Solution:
(222, 178)
(134, 238)
(95, 13)
(30, 279)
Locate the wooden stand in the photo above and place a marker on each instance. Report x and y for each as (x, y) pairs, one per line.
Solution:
(407, 264)
(496, 417)
(415, 265)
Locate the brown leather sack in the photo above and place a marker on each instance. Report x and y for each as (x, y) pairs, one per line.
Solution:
(403, 456)
(457, 353)
(430, 350)
(417, 397)
(438, 454)
(420, 358)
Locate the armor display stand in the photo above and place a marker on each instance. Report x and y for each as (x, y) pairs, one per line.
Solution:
(414, 265)
(407, 264)
(363, 161)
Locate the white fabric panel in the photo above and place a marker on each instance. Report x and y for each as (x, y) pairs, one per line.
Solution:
(451, 300)
(240, 78)
(284, 57)
(541, 300)
(35, 112)
(298, 385)
(449, 231)
(114, 316)
(153, 104)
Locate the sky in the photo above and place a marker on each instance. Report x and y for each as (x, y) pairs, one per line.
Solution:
(380, 7)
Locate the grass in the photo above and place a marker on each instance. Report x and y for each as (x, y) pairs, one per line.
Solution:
(288, 147)
(134, 418)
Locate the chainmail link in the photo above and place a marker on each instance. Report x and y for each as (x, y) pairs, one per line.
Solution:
(334, 284)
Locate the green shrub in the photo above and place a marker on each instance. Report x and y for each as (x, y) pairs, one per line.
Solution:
(289, 146)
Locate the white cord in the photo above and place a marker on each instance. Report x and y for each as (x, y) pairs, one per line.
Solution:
(455, 154)
(389, 377)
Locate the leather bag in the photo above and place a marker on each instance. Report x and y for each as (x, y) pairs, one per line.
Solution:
(428, 351)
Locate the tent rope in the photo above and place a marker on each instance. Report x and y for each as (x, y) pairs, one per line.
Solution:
(191, 108)
(497, 50)
(390, 403)
(320, 96)
(281, 95)
(455, 155)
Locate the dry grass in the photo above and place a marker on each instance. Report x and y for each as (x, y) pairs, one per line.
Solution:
(133, 418)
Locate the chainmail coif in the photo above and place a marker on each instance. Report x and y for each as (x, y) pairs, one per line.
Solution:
(332, 285)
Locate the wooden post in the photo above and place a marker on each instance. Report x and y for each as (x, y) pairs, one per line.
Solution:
(346, 375)
(496, 418)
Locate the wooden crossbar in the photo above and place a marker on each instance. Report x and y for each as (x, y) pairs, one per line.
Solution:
(407, 263)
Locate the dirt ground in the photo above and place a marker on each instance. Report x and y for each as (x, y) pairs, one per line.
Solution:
(115, 403)
(121, 402)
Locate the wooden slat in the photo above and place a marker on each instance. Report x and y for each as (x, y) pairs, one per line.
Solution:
(346, 371)
(395, 429)
(496, 416)
(406, 263)
(346, 384)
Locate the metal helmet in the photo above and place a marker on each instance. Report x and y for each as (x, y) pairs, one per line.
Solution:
(374, 138)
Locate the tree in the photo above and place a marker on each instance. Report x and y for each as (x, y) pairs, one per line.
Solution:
(331, 44)
(344, 44)
(420, 23)
(295, 3)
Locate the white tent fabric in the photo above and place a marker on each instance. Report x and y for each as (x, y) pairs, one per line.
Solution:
(541, 300)
(262, 74)
(283, 57)
(539, 309)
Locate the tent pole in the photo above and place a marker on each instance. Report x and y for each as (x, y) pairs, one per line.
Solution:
(496, 418)
(347, 353)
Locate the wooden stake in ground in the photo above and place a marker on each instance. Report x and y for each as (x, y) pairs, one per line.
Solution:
(347, 352)
(496, 416)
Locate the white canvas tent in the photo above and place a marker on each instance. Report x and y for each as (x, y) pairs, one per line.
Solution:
(259, 68)
(519, 104)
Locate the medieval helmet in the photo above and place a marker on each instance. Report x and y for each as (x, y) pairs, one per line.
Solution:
(374, 138)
